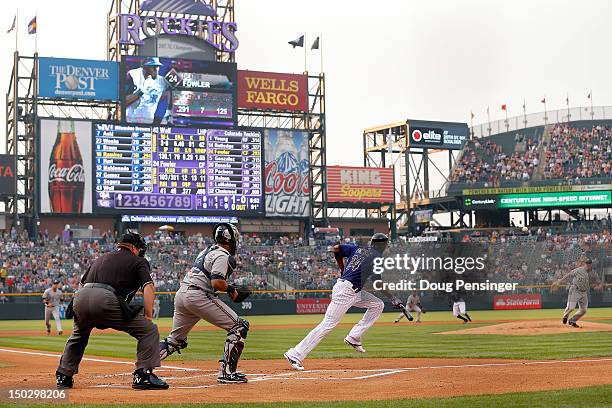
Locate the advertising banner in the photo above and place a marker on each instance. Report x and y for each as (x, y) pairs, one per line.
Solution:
(8, 173)
(272, 91)
(536, 189)
(438, 135)
(360, 184)
(65, 177)
(287, 173)
(578, 198)
(311, 306)
(517, 301)
(78, 79)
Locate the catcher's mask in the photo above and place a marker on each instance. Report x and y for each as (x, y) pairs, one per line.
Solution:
(135, 239)
(225, 233)
(379, 241)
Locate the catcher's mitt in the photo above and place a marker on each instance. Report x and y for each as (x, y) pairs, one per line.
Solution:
(242, 292)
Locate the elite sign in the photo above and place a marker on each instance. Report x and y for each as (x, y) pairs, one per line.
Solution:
(437, 135)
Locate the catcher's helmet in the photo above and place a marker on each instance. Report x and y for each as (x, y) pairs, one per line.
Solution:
(225, 233)
(135, 239)
(379, 241)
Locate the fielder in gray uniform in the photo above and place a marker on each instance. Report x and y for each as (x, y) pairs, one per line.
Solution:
(197, 300)
(578, 291)
(52, 298)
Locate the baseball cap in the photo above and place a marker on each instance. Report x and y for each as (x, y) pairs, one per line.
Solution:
(151, 62)
(56, 281)
(589, 261)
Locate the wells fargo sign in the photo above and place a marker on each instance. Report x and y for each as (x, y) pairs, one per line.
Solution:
(360, 184)
(273, 91)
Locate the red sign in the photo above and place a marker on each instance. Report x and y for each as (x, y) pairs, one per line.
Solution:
(311, 306)
(273, 91)
(360, 185)
(516, 301)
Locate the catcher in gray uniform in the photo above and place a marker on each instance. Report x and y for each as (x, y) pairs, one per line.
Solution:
(197, 300)
(578, 291)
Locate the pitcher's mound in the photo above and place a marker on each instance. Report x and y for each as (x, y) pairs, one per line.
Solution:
(533, 327)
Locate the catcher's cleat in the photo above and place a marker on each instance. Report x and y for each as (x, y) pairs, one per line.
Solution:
(233, 378)
(146, 380)
(574, 324)
(294, 363)
(358, 347)
(63, 381)
(564, 320)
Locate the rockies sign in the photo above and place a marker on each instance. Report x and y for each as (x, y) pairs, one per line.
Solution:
(437, 135)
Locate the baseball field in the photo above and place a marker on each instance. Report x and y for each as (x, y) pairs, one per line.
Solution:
(503, 358)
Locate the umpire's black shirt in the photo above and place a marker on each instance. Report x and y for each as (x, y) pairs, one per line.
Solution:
(120, 269)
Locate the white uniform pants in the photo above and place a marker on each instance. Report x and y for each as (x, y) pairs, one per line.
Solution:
(343, 297)
(55, 313)
(458, 308)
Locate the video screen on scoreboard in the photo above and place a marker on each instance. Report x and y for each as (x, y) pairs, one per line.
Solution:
(178, 92)
(181, 170)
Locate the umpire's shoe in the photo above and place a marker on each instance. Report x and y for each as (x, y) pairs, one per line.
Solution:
(63, 381)
(233, 378)
(146, 380)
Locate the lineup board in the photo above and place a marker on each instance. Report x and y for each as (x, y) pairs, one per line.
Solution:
(196, 170)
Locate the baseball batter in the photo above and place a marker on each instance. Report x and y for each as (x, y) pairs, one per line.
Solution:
(413, 304)
(578, 291)
(197, 300)
(348, 292)
(145, 89)
(52, 298)
(457, 298)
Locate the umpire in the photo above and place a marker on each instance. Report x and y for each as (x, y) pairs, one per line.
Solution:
(108, 286)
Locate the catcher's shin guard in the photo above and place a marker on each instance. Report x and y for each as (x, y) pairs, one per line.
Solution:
(234, 344)
(169, 346)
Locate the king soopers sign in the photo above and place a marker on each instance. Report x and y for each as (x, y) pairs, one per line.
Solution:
(221, 35)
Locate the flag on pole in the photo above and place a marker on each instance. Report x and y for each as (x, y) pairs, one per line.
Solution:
(523, 104)
(567, 100)
(315, 44)
(503, 107)
(487, 110)
(589, 95)
(472, 114)
(32, 26)
(543, 100)
(298, 42)
(12, 25)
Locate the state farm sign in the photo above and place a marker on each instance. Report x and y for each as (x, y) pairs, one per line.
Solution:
(517, 301)
(360, 184)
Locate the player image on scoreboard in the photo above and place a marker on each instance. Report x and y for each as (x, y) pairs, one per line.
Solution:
(192, 170)
(178, 91)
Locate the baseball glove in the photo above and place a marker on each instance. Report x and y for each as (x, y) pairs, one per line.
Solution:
(242, 292)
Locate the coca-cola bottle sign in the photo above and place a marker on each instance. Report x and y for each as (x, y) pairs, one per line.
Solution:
(66, 171)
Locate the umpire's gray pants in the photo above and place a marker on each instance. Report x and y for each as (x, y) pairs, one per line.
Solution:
(99, 308)
(576, 297)
(192, 305)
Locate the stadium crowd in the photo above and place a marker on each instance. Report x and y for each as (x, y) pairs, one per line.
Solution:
(579, 153)
(528, 256)
(486, 161)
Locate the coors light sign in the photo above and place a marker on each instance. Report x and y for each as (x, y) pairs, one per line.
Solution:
(66, 172)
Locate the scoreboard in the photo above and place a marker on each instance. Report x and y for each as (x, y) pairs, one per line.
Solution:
(190, 170)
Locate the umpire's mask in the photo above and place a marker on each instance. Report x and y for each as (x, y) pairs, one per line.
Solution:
(135, 239)
(225, 233)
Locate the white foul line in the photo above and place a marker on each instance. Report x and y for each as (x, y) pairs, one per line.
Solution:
(98, 360)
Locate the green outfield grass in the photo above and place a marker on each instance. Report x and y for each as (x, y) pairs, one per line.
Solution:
(592, 397)
(401, 340)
